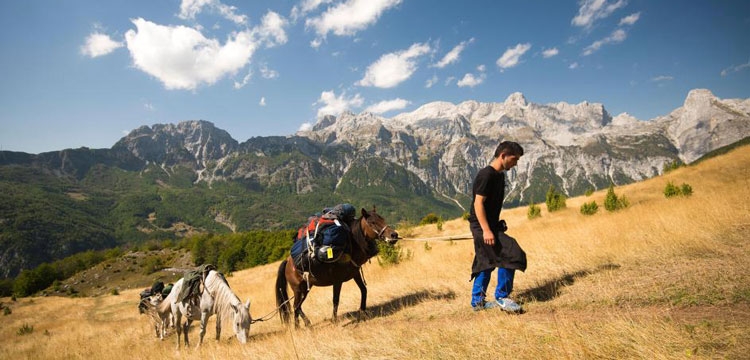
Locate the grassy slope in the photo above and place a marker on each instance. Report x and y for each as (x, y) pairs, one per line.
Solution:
(665, 278)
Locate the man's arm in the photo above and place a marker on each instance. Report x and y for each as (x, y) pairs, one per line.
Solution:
(489, 237)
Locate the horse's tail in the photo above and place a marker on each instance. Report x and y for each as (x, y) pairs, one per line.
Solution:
(282, 297)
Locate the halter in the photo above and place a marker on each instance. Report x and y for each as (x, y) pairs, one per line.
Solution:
(378, 233)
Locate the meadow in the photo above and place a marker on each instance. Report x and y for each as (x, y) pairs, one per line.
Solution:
(665, 278)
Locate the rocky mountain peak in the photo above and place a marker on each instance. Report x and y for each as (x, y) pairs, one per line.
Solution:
(516, 99)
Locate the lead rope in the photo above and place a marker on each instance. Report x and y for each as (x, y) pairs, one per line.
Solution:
(271, 314)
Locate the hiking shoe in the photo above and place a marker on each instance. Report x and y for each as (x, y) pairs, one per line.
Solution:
(506, 304)
(484, 305)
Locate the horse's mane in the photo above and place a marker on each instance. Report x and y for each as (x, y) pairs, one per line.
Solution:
(359, 254)
(224, 297)
(166, 304)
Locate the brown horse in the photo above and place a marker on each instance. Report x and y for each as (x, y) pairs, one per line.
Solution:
(365, 231)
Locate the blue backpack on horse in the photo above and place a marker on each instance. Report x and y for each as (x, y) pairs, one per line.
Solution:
(324, 238)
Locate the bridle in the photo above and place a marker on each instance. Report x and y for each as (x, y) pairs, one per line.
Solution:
(378, 234)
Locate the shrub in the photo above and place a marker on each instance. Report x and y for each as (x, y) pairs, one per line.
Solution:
(25, 329)
(589, 208)
(589, 191)
(427, 246)
(614, 203)
(6, 310)
(673, 165)
(466, 215)
(555, 200)
(430, 218)
(672, 190)
(534, 211)
(440, 224)
(115, 292)
(389, 254)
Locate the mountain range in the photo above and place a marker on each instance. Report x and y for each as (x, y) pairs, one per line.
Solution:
(167, 180)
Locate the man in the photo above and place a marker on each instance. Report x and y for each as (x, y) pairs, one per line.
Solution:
(492, 248)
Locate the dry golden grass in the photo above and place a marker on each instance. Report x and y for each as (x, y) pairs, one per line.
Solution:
(662, 279)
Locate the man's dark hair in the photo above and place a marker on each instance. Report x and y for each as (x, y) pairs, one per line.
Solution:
(510, 148)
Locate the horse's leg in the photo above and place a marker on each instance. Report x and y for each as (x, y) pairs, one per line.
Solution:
(204, 323)
(178, 328)
(336, 296)
(300, 294)
(363, 291)
(218, 327)
(185, 329)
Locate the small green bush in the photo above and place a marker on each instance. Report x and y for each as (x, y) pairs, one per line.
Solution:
(612, 202)
(430, 218)
(115, 292)
(6, 311)
(589, 208)
(389, 254)
(25, 330)
(534, 211)
(555, 200)
(427, 246)
(589, 192)
(672, 190)
(676, 164)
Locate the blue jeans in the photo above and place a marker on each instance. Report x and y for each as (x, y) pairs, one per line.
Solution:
(482, 282)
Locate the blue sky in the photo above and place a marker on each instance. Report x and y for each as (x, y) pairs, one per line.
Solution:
(84, 73)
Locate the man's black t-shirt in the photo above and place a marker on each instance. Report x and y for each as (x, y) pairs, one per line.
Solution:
(489, 183)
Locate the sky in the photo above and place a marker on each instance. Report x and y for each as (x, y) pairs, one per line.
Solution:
(84, 73)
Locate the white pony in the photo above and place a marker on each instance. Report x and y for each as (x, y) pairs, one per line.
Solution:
(160, 315)
(216, 298)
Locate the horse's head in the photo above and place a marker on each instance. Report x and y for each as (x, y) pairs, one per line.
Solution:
(241, 321)
(377, 228)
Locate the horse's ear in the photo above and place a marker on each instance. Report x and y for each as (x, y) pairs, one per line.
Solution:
(364, 213)
(247, 304)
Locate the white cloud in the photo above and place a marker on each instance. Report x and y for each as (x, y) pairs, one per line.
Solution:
(267, 73)
(512, 56)
(305, 127)
(245, 80)
(735, 68)
(548, 53)
(592, 10)
(454, 55)
(388, 105)
(393, 68)
(661, 78)
(481, 68)
(149, 106)
(470, 80)
(335, 105)
(630, 19)
(182, 58)
(617, 36)
(573, 66)
(450, 80)
(271, 29)
(431, 81)
(262, 101)
(98, 44)
(305, 7)
(349, 17)
(189, 9)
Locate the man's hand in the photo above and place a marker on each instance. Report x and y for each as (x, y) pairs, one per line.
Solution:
(489, 238)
